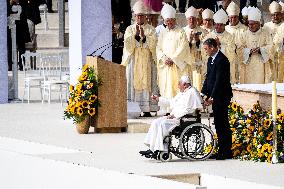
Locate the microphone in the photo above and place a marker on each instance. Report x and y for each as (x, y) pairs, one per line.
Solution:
(92, 54)
(100, 56)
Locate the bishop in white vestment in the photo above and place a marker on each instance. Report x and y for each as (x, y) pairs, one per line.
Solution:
(185, 102)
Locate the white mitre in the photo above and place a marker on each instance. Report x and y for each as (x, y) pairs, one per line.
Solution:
(168, 11)
(139, 8)
(282, 5)
(191, 12)
(233, 9)
(254, 14)
(275, 7)
(245, 11)
(185, 79)
(207, 14)
(220, 17)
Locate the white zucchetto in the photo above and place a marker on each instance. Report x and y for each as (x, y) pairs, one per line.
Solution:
(168, 11)
(220, 17)
(185, 79)
(191, 12)
(282, 5)
(139, 8)
(254, 14)
(275, 7)
(207, 14)
(233, 9)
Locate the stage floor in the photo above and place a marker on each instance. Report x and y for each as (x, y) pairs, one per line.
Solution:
(38, 130)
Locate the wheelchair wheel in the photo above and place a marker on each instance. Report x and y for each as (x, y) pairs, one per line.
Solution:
(197, 142)
(165, 156)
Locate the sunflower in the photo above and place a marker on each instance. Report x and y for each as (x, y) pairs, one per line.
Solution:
(234, 107)
(269, 137)
(92, 111)
(83, 77)
(80, 111)
(90, 86)
(93, 98)
(249, 148)
(248, 121)
(236, 153)
(267, 123)
(85, 104)
(281, 117)
(85, 67)
(251, 128)
(71, 87)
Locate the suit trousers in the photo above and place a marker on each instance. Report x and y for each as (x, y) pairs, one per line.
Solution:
(221, 121)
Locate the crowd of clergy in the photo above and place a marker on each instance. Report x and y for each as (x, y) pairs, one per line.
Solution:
(156, 58)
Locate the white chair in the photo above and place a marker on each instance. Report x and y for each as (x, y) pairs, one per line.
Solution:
(54, 80)
(32, 74)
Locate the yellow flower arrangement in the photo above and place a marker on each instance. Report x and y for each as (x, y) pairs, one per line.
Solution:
(252, 133)
(83, 99)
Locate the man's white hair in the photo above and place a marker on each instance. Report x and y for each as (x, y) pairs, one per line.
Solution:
(185, 79)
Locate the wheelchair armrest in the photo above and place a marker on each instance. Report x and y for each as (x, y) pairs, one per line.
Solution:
(194, 117)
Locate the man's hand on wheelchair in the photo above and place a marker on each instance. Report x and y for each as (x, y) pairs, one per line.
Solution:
(171, 117)
(208, 101)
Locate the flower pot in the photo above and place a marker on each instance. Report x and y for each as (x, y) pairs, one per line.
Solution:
(83, 127)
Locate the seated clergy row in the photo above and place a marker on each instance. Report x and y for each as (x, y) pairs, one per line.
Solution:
(156, 59)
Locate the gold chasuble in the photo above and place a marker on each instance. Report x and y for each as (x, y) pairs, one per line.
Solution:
(171, 44)
(195, 58)
(144, 54)
(279, 53)
(139, 58)
(236, 31)
(228, 48)
(254, 64)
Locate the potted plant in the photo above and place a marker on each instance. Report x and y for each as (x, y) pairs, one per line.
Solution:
(83, 102)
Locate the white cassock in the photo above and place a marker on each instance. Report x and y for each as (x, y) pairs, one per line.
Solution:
(183, 103)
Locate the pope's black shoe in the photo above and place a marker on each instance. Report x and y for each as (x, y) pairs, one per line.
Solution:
(146, 152)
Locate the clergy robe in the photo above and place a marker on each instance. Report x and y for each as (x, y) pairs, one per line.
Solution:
(227, 48)
(171, 44)
(183, 103)
(254, 68)
(279, 50)
(236, 31)
(194, 55)
(139, 57)
(271, 67)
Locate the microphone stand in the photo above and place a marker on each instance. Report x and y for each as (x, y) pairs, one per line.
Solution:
(92, 54)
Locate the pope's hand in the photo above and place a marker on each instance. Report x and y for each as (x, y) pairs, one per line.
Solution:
(171, 117)
(155, 97)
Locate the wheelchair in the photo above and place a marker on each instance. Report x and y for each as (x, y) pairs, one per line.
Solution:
(190, 140)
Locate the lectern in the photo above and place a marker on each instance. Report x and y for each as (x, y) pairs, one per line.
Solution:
(112, 94)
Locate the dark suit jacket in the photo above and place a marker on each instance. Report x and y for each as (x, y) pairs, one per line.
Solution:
(217, 82)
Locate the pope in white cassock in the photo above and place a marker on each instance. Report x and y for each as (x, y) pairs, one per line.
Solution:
(139, 55)
(187, 101)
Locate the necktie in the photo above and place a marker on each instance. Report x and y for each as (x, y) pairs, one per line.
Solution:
(210, 60)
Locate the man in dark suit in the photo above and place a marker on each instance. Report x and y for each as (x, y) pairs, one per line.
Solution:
(218, 91)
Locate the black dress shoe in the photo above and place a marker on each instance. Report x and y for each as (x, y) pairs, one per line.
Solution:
(213, 156)
(167, 114)
(147, 114)
(146, 152)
